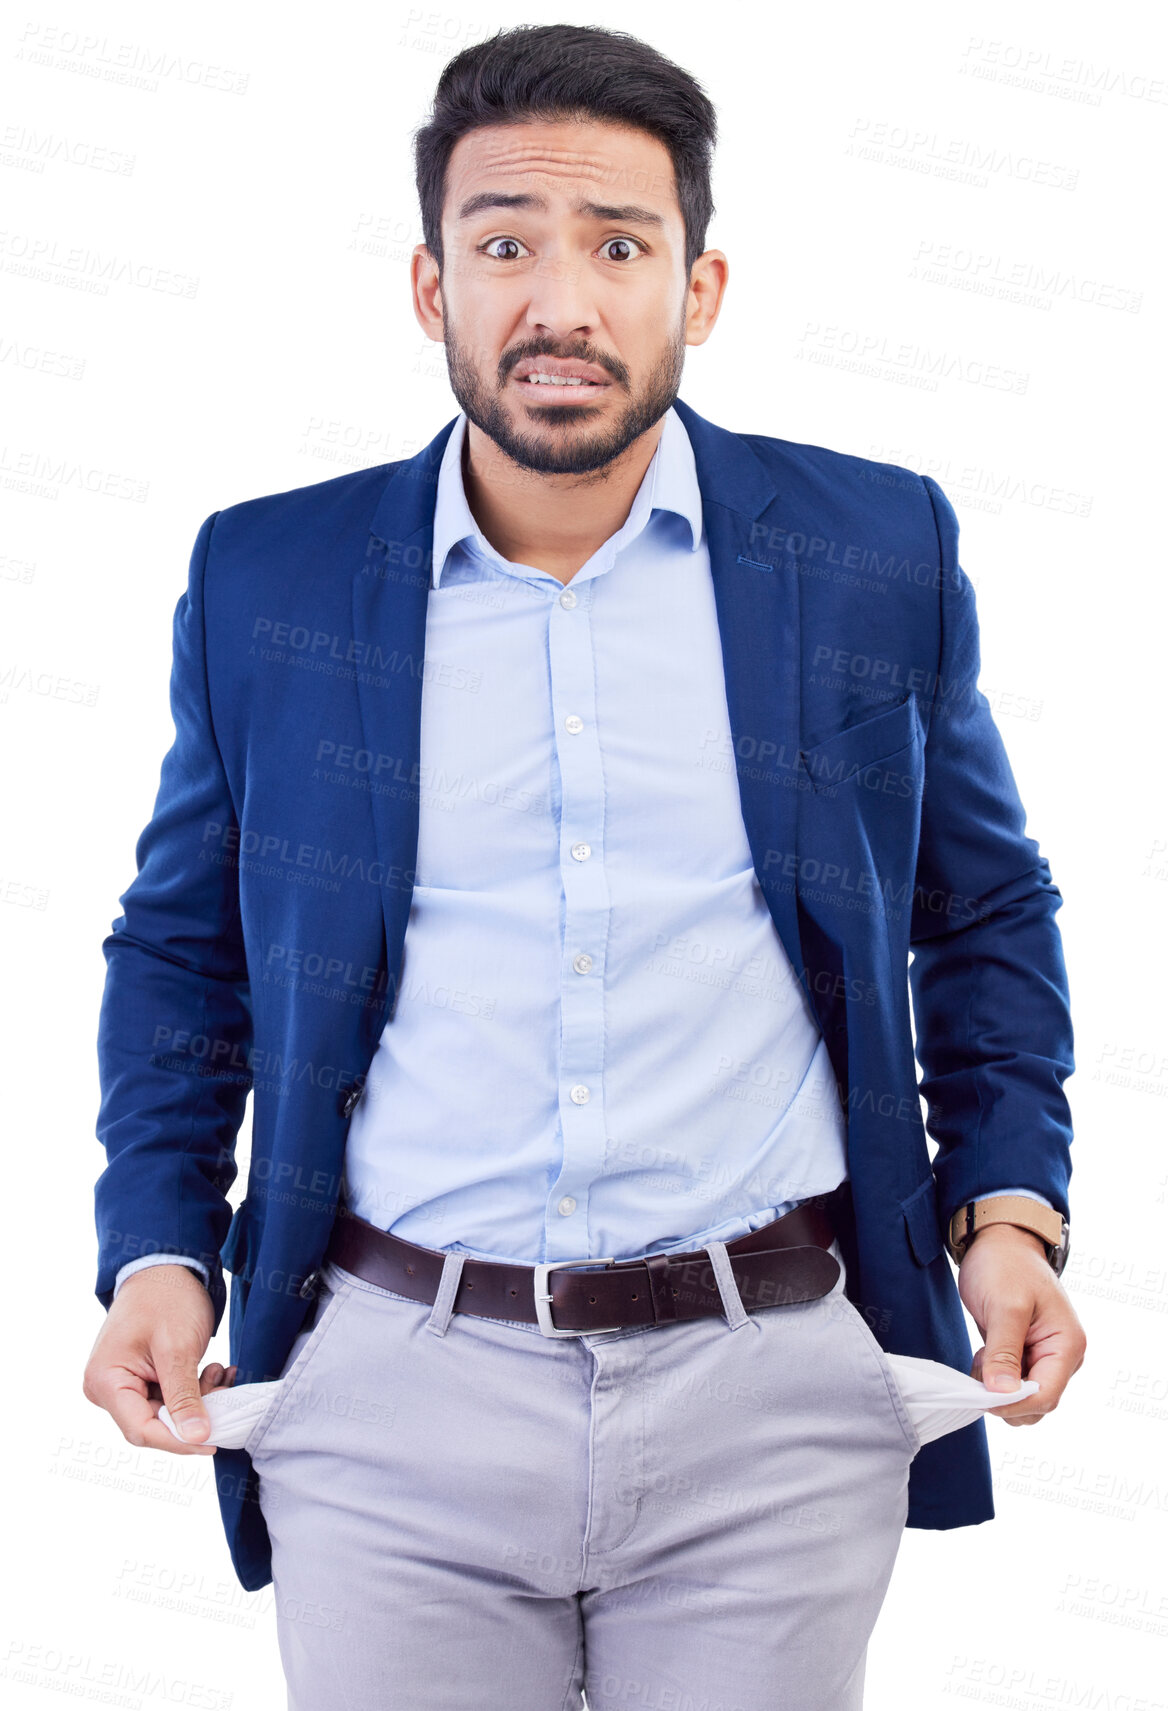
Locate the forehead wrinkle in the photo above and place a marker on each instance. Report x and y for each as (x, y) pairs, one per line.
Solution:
(550, 163)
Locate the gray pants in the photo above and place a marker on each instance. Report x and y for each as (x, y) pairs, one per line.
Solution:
(467, 1515)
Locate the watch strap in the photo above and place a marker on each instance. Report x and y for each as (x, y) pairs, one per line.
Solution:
(1044, 1221)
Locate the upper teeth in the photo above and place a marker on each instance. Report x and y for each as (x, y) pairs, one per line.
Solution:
(558, 379)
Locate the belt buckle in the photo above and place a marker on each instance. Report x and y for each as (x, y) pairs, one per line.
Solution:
(543, 1299)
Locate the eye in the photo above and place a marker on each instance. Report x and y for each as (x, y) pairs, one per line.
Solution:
(626, 241)
(485, 249)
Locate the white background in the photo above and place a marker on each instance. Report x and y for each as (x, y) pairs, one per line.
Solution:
(883, 173)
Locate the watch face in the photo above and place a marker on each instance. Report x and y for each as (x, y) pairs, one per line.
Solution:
(1058, 1254)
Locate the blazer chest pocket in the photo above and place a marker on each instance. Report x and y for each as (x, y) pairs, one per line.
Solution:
(842, 757)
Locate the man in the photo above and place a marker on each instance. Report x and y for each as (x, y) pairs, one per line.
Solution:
(549, 822)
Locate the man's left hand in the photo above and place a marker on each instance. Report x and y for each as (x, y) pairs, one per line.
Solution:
(1023, 1313)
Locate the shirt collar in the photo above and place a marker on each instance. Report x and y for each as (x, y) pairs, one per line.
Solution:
(670, 484)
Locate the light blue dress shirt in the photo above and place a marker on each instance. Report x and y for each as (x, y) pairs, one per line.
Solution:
(599, 1046)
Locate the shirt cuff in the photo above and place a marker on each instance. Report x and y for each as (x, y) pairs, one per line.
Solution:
(1030, 1194)
(157, 1259)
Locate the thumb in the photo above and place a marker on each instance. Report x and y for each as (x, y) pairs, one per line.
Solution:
(1005, 1341)
(178, 1379)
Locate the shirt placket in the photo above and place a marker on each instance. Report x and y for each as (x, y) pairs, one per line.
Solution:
(587, 909)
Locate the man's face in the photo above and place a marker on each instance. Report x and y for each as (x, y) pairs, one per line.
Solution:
(564, 253)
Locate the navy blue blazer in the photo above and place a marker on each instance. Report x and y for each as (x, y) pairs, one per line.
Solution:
(261, 942)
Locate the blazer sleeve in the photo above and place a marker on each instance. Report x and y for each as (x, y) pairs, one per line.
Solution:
(175, 1026)
(987, 975)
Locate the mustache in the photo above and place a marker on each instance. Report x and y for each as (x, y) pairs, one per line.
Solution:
(611, 365)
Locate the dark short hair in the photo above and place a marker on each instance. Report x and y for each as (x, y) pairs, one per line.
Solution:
(569, 71)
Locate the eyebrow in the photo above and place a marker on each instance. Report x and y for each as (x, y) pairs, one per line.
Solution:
(628, 214)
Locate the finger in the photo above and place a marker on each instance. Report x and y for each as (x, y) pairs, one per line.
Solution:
(1005, 1342)
(177, 1370)
(137, 1419)
(156, 1436)
(1019, 1413)
(1052, 1372)
(211, 1377)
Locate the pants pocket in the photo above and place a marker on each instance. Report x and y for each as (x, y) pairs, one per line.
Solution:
(838, 1304)
(942, 1399)
(329, 1301)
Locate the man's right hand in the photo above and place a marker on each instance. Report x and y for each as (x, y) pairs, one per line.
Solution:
(148, 1352)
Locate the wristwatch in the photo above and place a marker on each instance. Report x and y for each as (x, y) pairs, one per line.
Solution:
(1019, 1209)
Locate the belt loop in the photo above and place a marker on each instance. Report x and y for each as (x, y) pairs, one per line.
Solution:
(660, 1288)
(447, 1289)
(736, 1314)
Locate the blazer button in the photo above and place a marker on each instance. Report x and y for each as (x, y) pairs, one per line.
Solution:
(308, 1287)
(347, 1102)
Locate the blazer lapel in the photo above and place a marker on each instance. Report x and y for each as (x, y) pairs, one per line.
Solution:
(391, 589)
(757, 602)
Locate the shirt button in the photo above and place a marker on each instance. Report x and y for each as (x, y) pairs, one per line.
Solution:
(567, 598)
(582, 963)
(574, 723)
(581, 852)
(566, 1206)
(579, 1095)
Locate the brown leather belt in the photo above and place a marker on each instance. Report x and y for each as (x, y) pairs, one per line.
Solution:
(782, 1262)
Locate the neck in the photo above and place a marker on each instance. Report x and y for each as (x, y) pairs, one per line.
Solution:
(552, 522)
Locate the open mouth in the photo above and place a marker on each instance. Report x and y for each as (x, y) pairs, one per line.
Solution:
(540, 389)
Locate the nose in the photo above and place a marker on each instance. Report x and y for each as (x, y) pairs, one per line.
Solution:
(560, 305)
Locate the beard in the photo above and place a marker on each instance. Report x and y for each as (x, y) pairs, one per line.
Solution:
(584, 449)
